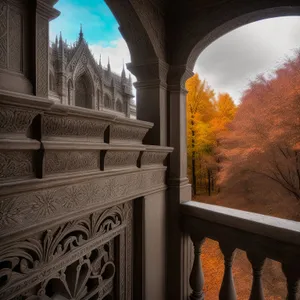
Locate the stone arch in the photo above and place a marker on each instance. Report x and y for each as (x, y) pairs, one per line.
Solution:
(119, 106)
(70, 91)
(187, 48)
(107, 101)
(83, 91)
(141, 38)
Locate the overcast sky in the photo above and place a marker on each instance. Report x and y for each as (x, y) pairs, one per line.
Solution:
(227, 64)
(239, 56)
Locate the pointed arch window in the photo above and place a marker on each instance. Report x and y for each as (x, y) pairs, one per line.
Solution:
(119, 105)
(83, 92)
(107, 101)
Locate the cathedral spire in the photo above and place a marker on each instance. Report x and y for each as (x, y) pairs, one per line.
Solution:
(108, 65)
(100, 62)
(123, 74)
(80, 33)
(56, 41)
(60, 40)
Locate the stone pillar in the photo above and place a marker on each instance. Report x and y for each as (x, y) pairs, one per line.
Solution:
(179, 247)
(151, 95)
(15, 29)
(41, 12)
(24, 45)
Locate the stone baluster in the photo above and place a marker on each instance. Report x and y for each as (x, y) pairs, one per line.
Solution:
(257, 262)
(197, 277)
(292, 274)
(227, 291)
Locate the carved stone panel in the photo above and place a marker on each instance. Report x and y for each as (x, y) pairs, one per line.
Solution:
(16, 164)
(44, 202)
(15, 40)
(59, 161)
(124, 134)
(3, 34)
(56, 127)
(14, 120)
(42, 42)
(86, 258)
(115, 159)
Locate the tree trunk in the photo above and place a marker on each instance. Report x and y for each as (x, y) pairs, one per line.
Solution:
(209, 182)
(194, 179)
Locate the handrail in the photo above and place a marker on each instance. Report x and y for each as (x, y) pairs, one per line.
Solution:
(259, 235)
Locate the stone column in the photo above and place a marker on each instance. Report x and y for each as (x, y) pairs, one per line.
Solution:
(24, 42)
(41, 12)
(151, 95)
(179, 247)
(14, 47)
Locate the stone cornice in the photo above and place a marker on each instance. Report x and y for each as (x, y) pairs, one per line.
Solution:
(23, 100)
(151, 70)
(177, 77)
(46, 10)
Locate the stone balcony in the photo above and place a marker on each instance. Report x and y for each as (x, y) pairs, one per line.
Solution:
(260, 236)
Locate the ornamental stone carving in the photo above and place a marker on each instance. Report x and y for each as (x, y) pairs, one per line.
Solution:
(59, 161)
(15, 120)
(55, 126)
(43, 203)
(120, 159)
(3, 34)
(75, 260)
(16, 164)
(125, 134)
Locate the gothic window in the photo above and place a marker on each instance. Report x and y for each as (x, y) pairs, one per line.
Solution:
(119, 105)
(70, 88)
(83, 92)
(107, 102)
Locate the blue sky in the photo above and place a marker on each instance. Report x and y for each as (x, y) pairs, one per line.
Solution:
(100, 30)
(228, 63)
(96, 18)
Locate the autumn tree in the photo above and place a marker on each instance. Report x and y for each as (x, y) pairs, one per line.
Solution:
(200, 111)
(262, 146)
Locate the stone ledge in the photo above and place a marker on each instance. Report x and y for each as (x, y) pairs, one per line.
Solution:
(271, 227)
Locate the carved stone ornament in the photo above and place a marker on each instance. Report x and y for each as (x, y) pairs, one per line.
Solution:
(59, 161)
(120, 159)
(32, 208)
(73, 127)
(124, 134)
(75, 260)
(15, 120)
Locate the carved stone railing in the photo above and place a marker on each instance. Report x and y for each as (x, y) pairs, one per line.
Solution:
(68, 176)
(259, 235)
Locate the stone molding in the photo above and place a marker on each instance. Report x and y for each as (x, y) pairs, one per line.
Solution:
(154, 156)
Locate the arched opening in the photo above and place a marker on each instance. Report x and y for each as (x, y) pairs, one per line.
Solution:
(83, 92)
(119, 105)
(245, 157)
(107, 102)
(70, 90)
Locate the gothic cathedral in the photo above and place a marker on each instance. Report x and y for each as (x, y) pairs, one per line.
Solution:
(75, 78)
